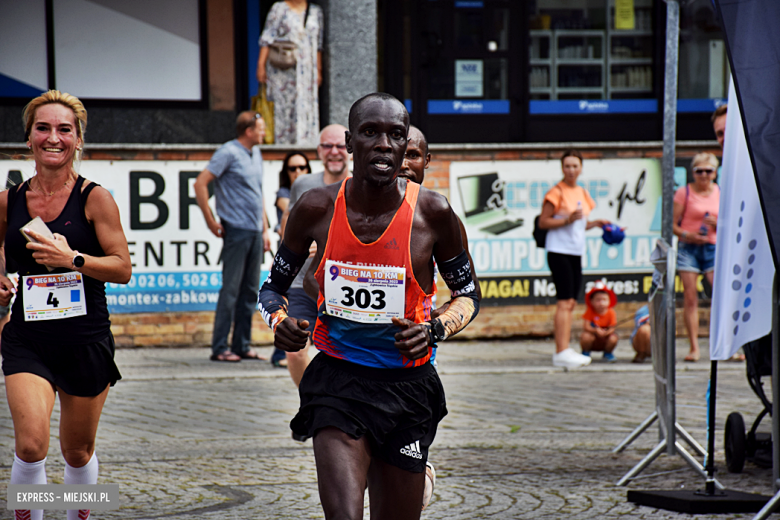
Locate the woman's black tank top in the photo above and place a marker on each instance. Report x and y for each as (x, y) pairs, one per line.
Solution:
(73, 225)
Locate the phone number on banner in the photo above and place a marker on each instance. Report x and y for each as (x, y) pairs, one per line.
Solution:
(165, 292)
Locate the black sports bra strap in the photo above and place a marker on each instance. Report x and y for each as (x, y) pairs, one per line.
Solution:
(12, 191)
(88, 189)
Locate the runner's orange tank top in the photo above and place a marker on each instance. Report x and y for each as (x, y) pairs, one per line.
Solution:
(371, 344)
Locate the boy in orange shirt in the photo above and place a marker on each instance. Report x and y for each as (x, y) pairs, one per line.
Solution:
(598, 329)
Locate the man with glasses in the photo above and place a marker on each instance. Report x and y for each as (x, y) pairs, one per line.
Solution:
(236, 169)
(332, 151)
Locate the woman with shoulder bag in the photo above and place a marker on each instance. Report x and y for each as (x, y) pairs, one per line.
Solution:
(565, 217)
(290, 65)
(695, 222)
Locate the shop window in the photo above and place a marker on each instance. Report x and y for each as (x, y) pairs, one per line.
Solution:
(580, 51)
(704, 71)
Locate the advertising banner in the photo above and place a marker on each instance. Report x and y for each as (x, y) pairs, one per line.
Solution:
(498, 201)
(177, 262)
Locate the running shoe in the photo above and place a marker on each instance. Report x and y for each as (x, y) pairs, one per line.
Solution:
(609, 357)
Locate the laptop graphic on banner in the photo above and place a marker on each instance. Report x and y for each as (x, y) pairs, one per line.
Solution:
(484, 203)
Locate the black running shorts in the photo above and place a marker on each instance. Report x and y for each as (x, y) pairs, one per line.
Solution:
(566, 274)
(397, 409)
(80, 370)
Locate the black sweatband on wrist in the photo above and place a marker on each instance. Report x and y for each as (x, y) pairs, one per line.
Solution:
(464, 305)
(271, 298)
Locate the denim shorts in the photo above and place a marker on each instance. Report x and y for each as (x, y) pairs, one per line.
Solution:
(693, 258)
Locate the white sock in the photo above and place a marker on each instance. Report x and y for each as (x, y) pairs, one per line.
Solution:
(28, 473)
(87, 474)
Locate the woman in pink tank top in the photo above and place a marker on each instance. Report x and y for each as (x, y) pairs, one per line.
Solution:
(695, 222)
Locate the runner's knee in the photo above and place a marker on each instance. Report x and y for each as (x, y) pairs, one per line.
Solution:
(78, 457)
(32, 448)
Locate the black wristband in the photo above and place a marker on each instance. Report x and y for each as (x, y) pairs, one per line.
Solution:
(271, 298)
(456, 273)
(285, 267)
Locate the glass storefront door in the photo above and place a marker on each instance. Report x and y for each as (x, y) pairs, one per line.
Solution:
(591, 56)
(485, 71)
(468, 68)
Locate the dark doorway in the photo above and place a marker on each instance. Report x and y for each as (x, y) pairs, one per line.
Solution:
(465, 70)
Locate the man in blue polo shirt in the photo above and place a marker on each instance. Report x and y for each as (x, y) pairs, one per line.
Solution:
(236, 169)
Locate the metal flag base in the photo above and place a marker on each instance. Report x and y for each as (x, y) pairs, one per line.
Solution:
(679, 449)
(698, 468)
(770, 506)
(699, 502)
(647, 423)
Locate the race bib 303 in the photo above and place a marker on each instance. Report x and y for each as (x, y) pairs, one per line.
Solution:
(366, 294)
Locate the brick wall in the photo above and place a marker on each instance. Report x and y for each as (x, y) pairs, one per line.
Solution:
(194, 328)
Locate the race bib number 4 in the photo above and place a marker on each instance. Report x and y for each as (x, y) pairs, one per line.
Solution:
(366, 294)
(53, 296)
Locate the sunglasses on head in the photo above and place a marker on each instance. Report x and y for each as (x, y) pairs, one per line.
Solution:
(703, 171)
(292, 168)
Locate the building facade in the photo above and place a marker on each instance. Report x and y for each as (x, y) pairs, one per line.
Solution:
(549, 70)
(470, 71)
(500, 87)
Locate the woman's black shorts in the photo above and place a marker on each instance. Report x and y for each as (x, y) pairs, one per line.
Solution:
(566, 274)
(397, 409)
(80, 370)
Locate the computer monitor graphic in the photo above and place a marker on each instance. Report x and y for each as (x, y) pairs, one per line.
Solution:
(481, 193)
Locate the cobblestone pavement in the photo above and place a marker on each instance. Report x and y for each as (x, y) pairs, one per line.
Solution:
(186, 438)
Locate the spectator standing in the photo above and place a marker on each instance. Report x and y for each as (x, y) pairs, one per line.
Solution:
(695, 222)
(565, 215)
(719, 123)
(294, 90)
(719, 128)
(640, 337)
(294, 165)
(236, 169)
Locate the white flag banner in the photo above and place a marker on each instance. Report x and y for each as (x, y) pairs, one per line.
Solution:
(744, 270)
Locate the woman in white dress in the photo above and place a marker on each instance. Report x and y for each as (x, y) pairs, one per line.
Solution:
(294, 90)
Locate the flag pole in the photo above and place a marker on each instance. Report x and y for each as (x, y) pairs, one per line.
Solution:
(709, 486)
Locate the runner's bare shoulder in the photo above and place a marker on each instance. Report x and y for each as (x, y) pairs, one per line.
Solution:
(317, 202)
(432, 205)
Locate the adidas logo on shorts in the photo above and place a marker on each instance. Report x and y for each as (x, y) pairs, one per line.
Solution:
(412, 450)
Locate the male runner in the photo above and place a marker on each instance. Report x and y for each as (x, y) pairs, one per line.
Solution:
(370, 399)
